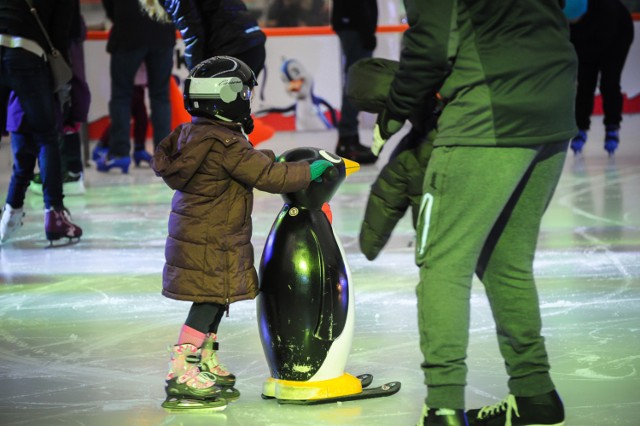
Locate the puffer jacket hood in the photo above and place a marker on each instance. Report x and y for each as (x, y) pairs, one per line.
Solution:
(186, 149)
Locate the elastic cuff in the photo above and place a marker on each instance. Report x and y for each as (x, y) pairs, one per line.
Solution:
(533, 385)
(445, 397)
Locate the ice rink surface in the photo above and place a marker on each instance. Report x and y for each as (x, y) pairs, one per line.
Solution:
(84, 330)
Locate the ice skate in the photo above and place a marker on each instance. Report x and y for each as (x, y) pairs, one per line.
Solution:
(611, 139)
(189, 388)
(104, 164)
(99, 152)
(72, 184)
(11, 221)
(140, 156)
(210, 363)
(58, 225)
(578, 141)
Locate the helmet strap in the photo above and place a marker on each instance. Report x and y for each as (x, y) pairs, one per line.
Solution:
(222, 118)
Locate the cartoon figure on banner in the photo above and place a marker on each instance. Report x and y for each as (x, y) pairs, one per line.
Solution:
(309, 112)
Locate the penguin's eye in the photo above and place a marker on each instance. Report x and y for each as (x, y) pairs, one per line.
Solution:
(329, 156)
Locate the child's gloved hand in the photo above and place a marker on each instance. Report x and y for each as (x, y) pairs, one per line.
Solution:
(318, 167)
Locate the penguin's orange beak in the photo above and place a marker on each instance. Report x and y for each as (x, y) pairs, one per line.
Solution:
(350, 166)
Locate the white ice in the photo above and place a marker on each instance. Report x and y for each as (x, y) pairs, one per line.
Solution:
(84, 330)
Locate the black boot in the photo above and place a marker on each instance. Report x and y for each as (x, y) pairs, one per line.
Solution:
(545, 409)
(442, 417)
(349, 147)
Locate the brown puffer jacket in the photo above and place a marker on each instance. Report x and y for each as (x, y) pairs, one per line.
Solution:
(214, 168)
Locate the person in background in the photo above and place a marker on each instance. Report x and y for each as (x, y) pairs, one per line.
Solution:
(285, 13)
(602, 33)
(316, 12)
(213, 169)
(355, 22)
(217, 28)
(501, 142)
(214, 28)
(134, 39)
(35, 132)
(140, 119)
(74, 115)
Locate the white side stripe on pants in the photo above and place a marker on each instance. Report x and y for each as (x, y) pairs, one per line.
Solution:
(424, 217)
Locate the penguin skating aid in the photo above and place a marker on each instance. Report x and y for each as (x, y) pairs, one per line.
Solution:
(306, 304)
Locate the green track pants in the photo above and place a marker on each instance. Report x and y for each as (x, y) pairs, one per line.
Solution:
(481, 213)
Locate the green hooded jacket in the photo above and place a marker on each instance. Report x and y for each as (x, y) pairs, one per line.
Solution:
(499, 65)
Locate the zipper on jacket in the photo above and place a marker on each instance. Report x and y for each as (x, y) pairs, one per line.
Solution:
(226, 307)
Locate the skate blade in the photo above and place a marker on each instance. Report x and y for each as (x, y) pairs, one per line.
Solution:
(230, 394)
(176, 405)
(71, 241)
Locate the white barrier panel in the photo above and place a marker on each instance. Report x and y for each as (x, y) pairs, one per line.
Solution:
(319, 56)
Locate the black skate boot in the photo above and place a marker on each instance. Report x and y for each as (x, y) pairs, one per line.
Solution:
(540, 410)
(57, 225)
(187, 387)
(442, 417)
(349, 147)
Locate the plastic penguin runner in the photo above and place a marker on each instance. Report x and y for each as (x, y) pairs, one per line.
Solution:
(306, 301)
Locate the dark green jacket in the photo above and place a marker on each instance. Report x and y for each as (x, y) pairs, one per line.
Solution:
(505, 68)
(397, 187)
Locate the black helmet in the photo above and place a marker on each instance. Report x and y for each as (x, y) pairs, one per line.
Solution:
(220, 87)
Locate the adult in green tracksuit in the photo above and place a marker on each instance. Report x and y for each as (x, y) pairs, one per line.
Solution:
(507, 73)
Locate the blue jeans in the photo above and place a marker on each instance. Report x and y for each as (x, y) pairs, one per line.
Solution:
(36, 138)
(123, 68)
(352, 51)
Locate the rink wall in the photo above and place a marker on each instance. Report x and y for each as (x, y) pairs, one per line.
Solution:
(316, 51)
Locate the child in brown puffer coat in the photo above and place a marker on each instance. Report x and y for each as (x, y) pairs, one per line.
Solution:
(213, 168)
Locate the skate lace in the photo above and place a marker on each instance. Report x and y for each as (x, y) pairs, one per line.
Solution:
(213, 364)
(506, 406)
(65, 217)
(65, 213)
(197, 379)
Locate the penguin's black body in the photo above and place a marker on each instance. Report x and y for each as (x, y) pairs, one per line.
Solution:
(304, 299)
(305, 306)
